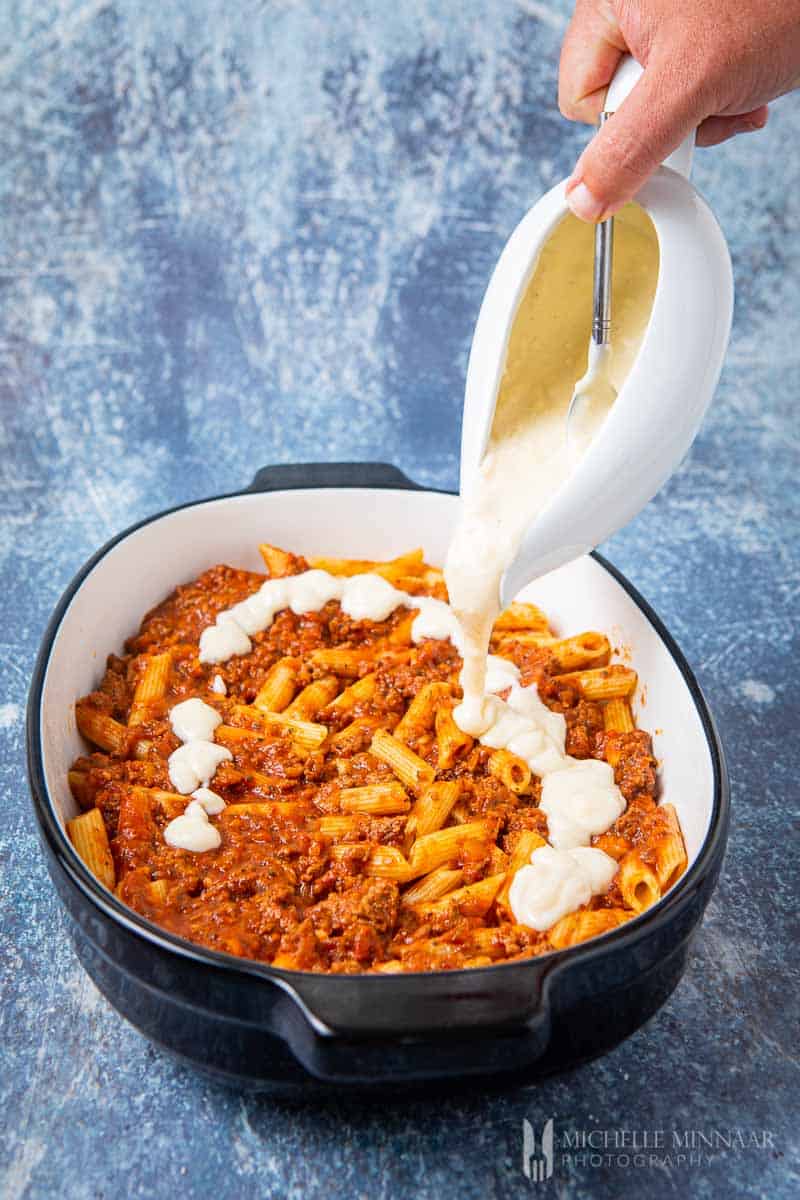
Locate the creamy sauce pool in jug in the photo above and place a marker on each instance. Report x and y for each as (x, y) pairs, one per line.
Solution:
(527, 459)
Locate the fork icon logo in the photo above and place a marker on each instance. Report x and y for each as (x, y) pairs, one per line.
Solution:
(537, 1167)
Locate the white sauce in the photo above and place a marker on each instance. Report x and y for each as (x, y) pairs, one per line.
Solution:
(363, 597)
(369, 598)
(194, 719)
(193, 831)
(220, 642)
(193, 765)
(580, 802)
(218, 686)
(579, 796)
(209, 801)
(191, 769)
(558, 882)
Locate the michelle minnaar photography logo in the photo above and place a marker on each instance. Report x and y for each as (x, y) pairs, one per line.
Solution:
(537, 1166)
(547, 1149)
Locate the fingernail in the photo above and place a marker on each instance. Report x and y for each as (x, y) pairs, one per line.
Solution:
(585, 204)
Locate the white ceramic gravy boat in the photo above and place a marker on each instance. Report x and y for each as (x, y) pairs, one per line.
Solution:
(662, 402)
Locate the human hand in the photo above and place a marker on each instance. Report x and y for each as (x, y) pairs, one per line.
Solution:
(708, 66)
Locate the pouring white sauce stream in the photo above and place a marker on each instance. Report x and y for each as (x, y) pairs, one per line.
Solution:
(528, 459)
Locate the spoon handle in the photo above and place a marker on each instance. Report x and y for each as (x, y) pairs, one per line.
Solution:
(603, 262)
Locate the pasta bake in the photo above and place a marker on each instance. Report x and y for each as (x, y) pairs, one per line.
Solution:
(279, 773)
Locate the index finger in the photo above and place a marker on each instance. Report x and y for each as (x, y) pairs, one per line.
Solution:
(590, 54)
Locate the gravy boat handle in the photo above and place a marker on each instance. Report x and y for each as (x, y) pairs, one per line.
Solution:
(626, 76)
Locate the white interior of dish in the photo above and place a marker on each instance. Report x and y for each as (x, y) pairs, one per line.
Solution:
(363, 523)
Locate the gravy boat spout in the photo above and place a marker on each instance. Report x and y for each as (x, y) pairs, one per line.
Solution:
(661, 402)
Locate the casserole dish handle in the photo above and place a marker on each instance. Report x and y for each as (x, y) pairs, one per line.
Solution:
(402, 1050)
(293, 476)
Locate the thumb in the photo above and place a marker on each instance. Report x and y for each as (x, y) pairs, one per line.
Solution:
(654, 119)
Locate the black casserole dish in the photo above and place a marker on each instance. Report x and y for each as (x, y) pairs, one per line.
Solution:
(297, 1031)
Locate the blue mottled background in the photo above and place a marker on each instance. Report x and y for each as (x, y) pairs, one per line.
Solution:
(235, 234)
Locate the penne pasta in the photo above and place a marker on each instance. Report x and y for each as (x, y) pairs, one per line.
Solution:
(451, 742)
(522, 616)
(237, 735)
(474, 900)
(279, 563)
(90, 839)
(612, 844)
(355, 736)
(508, 643)
(356, 693)
(445, 845)
(669, 851)
(266, 783)
(264, 810)
(433, 808)
(158, 890)
(79, 786)
(587, 650)
(170, 804)
(432, 886)
(512, 771)
(378, 799)
(420, 713)
(407, 564)
(384, 862)
(343, 661)
(580, 926)
(313, 698)
(410, 769)
(603, 683)
(279, 687)
(305, 735)
(401, 634)
(638, 882)
(101, 729)
(498, 860)
(344, 827)
(617, 716)
(151, 687)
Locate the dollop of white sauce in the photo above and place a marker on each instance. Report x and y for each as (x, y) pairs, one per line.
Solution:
(220, 642)
(579, 796)
(557, 882)
(312, 590)
(218, 686)
(193, 830)
(194, 719)
(191, 769)
(435, 619)
(193, 764)
(211, 802)
(368, 598)
(581, 801)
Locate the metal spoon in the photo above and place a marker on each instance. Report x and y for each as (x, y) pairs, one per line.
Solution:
(594, 393)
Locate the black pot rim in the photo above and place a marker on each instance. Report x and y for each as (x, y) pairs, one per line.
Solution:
(56, 838)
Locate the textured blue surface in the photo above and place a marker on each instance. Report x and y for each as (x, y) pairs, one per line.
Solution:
(234, 234)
